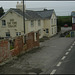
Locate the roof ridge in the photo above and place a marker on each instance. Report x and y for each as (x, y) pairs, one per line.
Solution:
(45, 10)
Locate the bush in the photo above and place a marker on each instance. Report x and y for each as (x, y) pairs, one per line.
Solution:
(11, 47)
(68, 35)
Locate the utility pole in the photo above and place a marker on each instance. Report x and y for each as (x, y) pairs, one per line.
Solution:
(24, 16)
(24, 22)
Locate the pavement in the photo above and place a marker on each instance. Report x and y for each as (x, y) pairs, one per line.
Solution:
(40, 60)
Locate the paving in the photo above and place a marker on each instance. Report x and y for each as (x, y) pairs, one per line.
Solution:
(40, 60)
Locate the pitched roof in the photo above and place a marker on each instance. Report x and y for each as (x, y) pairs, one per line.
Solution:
(28, 14)
(45, 14)
(73, 13)
(33, 15)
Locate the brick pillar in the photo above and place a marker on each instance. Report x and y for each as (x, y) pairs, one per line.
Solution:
(18, 45)
(4, 50)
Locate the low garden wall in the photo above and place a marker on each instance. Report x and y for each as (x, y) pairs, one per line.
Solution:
(18, 46)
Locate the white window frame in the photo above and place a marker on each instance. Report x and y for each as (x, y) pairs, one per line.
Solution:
(8, 34)
(52, 30)
(18, 33)
(47, 30)
(55, 21)
(3, 22)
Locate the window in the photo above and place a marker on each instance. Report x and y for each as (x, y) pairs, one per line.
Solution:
(7, 34)
(18, 33)
(54, 21)
(3, 23)
(32, 23)
(51, 21)
(47, 30)
(39, 23)
(52, 30)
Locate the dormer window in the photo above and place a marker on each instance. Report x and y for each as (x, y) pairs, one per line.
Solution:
(3, 22)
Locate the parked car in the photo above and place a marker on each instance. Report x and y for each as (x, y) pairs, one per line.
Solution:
(66, 25)
(62, 35)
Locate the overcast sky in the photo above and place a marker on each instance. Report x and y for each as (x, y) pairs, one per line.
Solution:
(60, 7)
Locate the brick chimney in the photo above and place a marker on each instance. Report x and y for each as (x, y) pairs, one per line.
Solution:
(20, 6)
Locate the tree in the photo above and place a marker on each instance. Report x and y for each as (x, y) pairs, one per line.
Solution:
(1, 11)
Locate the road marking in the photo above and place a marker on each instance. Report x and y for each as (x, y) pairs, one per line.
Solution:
(59, 64)
(53, 72)
(63, 57)
(66, 53)
(69, 49)
(73, 44)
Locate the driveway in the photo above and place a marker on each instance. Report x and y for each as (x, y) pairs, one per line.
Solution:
(41, 60)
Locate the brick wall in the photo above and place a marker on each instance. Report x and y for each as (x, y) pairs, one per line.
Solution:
(4, 50)
(19, 46)
(30, 40)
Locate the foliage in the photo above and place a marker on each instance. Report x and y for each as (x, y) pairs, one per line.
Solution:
(61, 20)
(1, 11)
(11, 47)
(68, 35)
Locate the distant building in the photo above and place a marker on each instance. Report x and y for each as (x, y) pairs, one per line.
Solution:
(11, 23)
(50, 22)
(73, 20)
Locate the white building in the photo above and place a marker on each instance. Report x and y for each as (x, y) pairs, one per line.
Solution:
(11, 23)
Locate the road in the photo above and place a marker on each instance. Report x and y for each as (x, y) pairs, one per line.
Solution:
(68, 63)
(42, 60)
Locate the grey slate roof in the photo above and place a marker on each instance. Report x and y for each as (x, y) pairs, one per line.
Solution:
(33, 15)
(45, 14)
(28, 14)
(73, 13)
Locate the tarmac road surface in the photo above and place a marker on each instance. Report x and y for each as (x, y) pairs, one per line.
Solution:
(42, 60)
